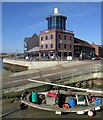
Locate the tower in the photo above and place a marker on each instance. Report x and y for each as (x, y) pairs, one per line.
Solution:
(57, 39)
(56, 21)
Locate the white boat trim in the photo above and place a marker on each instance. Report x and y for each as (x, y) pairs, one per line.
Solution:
(80, 112)
(69, 87)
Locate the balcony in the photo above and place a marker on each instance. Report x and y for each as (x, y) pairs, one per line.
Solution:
(70, 31)
(45, 31)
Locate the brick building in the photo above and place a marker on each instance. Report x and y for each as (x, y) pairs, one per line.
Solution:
(82, 49)
(58, 42)
(56, 39)
(31, 46)
(31, 42)
(98, 50)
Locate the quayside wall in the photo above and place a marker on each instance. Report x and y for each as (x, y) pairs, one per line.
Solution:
(14, 67)
(20, 65)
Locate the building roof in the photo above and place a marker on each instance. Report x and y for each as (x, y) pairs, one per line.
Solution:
(35, 49)
(34, 37)
(55, 15)
(95, 45)
(79, 42)
(32, 41)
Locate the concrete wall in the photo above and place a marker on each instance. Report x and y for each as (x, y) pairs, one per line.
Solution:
(42, 64)
(81, 78)
(49, 41)
(34, 64)
(14, 68)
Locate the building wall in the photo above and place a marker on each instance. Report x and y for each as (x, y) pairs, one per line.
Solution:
(61, 41)
(98, 50)
(31, 42)
(101, 51)
(65, 42)
(82, 49)
(43, 42)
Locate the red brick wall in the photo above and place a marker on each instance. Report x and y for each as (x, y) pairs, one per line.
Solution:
(97, 49)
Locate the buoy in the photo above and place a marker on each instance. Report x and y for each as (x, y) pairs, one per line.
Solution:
(71, 102)
(58, 112)
(80, 112)
(97, 108)
(98, 101)
(34, 97)
(93, 99)
(90, 113)
(66, 106)
(52, 94)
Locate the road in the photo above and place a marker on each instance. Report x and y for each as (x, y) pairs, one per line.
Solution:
(54, 73)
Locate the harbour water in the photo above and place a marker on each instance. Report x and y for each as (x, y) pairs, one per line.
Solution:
(3, 72)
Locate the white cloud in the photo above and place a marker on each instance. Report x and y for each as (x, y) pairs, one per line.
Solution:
(35, 25)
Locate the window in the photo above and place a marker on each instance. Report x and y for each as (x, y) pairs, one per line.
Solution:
(50, 23)
(64, 45)
(51, 45)
(53, 22)
(46, 46)
(46, 37)
(41, 38)
(25, 44)
(41, 46)
(63, 23)
(51, 36)
(70, 46)
(70, 37)
(59, 45)
(59, 36)
(70, 53)
(25, 49)
(57, 22)
(65, 37)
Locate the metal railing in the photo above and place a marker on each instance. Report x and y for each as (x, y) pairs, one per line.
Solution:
(44, 31)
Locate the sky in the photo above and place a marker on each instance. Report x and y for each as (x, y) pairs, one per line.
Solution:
(23, 19)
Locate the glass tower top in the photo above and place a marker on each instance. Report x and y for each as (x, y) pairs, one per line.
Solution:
(56, 21)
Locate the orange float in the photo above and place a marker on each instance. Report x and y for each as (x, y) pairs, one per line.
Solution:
(66, 106)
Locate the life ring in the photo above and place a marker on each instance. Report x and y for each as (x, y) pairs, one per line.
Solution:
(90, 113)
(66, 106)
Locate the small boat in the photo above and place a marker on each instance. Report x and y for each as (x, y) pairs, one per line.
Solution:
(60, 101)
